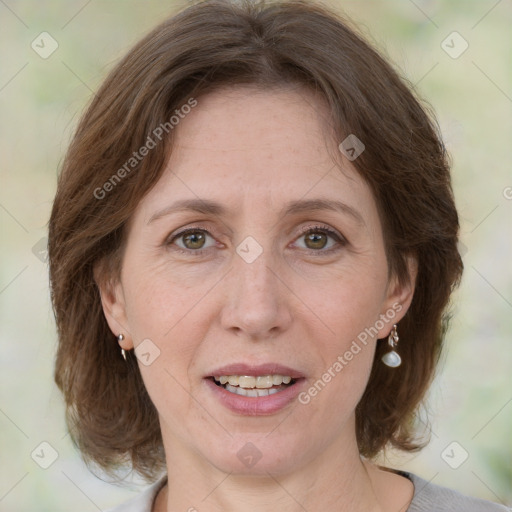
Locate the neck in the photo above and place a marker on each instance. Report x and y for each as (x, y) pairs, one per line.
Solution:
(336, 480)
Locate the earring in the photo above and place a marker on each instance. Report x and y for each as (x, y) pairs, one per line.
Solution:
(392, 358)
(123, 352)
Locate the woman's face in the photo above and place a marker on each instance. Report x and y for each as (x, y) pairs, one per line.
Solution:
(255, 256)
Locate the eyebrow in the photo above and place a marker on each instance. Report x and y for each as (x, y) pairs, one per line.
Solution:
(207, 206)
(312, 205)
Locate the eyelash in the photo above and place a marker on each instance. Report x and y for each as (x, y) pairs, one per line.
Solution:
(341, 241)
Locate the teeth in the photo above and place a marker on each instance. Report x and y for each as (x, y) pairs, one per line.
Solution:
(244, 381)
(253, 392)
(250, 382)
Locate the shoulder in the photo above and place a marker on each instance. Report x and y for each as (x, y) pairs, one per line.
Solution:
(142, 502)
(429, 497)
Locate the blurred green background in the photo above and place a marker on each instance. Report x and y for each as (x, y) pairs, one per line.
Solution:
(40, 102)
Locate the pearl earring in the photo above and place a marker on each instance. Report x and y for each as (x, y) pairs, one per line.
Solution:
(392, 359)
(123, 352)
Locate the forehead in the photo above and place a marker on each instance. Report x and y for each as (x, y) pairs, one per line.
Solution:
(271, 146)
(251, 119)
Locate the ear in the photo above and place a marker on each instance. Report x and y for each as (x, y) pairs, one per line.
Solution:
(398, 297)
(113, 304)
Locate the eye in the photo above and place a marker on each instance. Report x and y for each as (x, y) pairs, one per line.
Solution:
(322, 239)
(192, 239)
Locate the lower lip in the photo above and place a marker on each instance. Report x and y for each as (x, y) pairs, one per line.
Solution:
(256, 405)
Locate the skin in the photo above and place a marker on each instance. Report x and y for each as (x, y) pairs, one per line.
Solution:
(297, 304)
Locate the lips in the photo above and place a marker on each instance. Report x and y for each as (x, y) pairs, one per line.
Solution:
(255, 402)
(256, 370)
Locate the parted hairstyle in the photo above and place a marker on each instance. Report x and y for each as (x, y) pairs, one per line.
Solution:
(105, 174)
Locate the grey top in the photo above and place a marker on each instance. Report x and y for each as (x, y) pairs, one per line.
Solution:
(427, 497)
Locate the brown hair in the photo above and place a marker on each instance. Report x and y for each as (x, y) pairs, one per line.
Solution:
(213, 44)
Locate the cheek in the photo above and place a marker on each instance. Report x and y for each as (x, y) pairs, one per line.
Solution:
(159, 300)
(165, 312)
(349, 309)
(336, 389)
(347, 302)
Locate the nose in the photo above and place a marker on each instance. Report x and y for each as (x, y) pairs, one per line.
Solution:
(257, 301)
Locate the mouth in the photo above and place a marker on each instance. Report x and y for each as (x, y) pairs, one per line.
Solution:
(254, 386)
(255, 390)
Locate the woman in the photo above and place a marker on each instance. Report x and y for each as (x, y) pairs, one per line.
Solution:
(252, 247)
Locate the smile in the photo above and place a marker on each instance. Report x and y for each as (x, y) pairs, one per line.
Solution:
(250, 386)
(249, 401)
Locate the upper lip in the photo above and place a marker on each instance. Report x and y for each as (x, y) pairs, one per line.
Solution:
(257, 370)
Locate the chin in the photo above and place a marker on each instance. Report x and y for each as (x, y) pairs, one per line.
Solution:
(258, 454)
